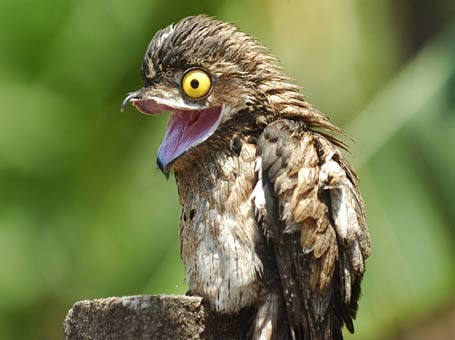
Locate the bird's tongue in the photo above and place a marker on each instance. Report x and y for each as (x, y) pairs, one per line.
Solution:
(187, 129)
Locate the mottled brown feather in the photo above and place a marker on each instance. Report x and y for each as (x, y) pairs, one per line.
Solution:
(304, 175)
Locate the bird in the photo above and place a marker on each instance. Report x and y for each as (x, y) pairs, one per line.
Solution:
(272, 218)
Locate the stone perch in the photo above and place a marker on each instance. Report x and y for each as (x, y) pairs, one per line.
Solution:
(152, 317)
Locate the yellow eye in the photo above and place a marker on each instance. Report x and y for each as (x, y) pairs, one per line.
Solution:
(196, 83)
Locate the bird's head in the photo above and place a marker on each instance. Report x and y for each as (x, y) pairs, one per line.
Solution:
(206, 73)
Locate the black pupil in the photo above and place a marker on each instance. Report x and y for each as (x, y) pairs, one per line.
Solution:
(194, 83)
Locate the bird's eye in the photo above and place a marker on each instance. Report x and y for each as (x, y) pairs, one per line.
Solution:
(196, 83)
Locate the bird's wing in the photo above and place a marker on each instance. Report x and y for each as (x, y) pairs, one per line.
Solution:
(312, 211)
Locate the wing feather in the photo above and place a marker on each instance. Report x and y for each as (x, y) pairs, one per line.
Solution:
(315, 217)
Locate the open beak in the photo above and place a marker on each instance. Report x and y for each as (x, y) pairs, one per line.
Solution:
(189, 125)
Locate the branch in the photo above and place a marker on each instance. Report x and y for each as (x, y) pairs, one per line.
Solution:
(152, 317)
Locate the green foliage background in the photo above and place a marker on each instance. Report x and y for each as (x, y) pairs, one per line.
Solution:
(84, 212)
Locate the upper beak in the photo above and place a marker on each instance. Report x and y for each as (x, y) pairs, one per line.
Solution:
(132, 95)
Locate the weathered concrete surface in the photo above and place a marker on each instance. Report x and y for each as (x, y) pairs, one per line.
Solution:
(152, 317)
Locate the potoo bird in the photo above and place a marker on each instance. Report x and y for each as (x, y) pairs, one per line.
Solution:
(272, 217)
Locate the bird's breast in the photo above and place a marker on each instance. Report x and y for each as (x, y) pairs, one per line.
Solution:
(218, 232)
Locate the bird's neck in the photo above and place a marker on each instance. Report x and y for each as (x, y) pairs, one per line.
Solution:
(206, 169)
(284, 99)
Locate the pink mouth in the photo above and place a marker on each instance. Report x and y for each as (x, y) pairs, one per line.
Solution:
(186, 128)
